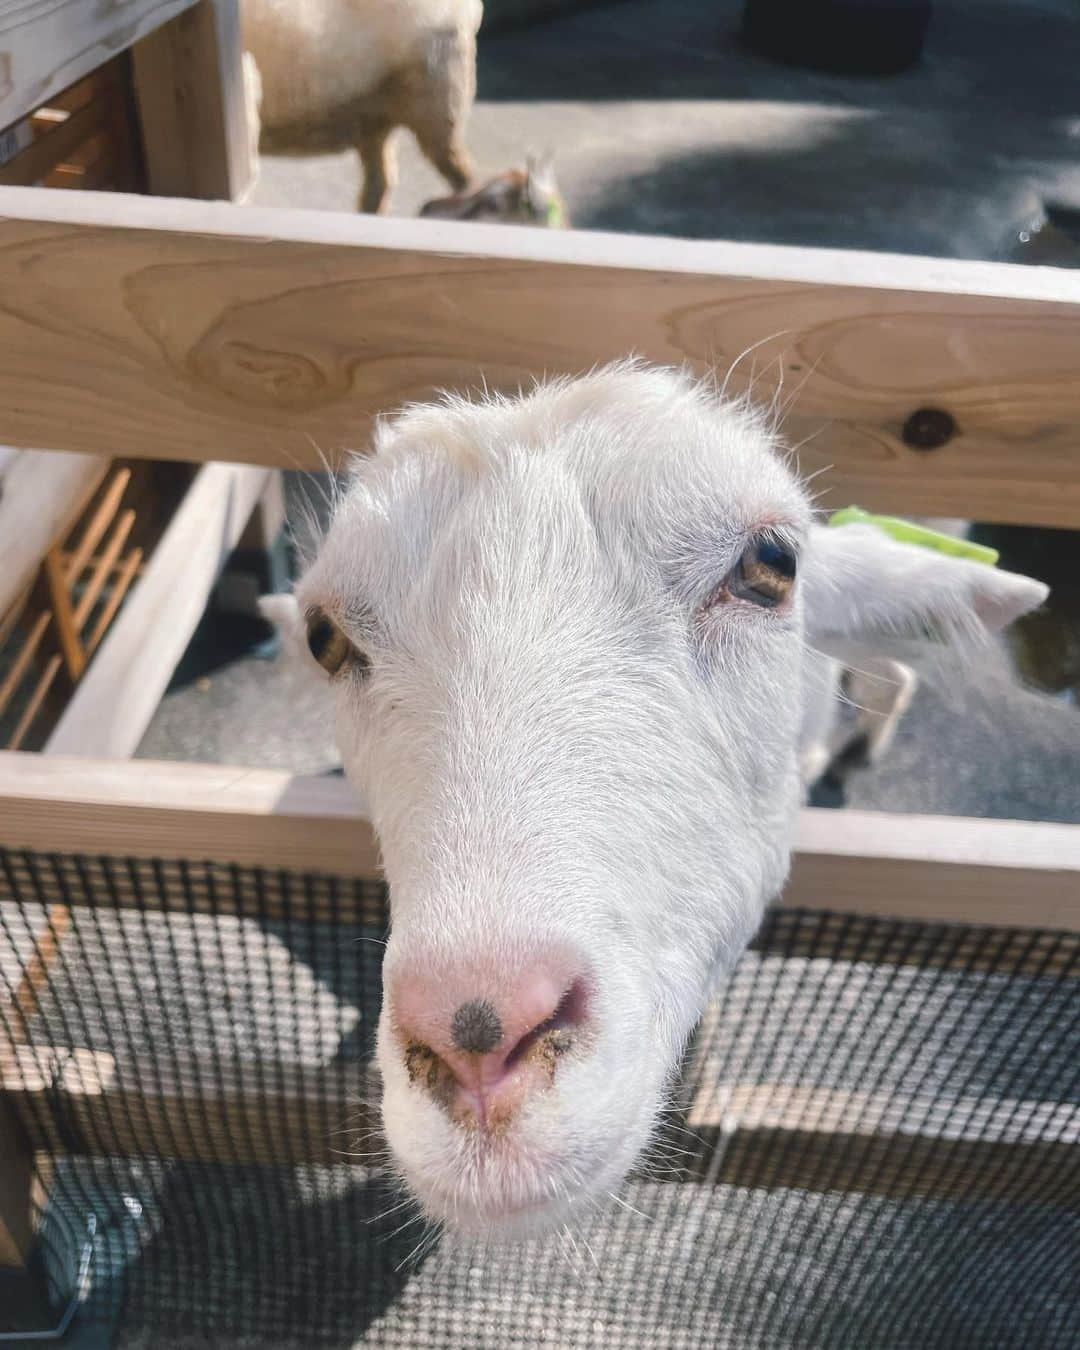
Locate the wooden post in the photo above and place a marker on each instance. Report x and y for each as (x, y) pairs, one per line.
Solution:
(189, 87)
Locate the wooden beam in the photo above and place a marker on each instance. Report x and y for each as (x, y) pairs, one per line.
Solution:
(112, 705)
(217, 1110)
(46, 45)
(190, 90)
(42, 496)
(189, 330)
(145, 809)
(894, 1165)
(932, 869)
(823, 1138)
(938, 869)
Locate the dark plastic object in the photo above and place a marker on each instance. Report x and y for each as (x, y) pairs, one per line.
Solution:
(847, 37)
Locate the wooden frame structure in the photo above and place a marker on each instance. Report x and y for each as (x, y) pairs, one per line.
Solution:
(275, 338)
(144, 95)
(187, 81)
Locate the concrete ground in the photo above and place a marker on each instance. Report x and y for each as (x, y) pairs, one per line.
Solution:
(661, 122)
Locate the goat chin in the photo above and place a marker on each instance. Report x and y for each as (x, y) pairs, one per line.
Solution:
(557, 1164)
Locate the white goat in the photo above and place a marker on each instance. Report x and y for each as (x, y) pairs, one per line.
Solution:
(565, 642)
(331, 75)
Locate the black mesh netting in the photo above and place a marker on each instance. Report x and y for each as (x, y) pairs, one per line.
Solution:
(875, 1145)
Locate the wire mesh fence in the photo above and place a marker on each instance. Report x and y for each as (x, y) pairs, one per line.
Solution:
(874, 1145)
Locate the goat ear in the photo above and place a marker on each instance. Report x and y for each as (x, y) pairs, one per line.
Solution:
(540, 170)
(859, 581)
(284, 613)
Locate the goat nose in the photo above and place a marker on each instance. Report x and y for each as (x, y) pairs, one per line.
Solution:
(475, 1027)
(479, 1057)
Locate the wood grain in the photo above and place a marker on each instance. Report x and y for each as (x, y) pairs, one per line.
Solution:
(189, 88)
(193, 330)
(116, 698)
(46, 45)
(934, 869)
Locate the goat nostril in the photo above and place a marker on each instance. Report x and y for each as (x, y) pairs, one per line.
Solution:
(569, 1014)
(475, 1027)
(429, 1070)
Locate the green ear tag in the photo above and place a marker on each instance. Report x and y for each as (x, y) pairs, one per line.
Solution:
(907, 533)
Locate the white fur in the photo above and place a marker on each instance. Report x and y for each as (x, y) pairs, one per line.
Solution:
(329, 75)
(316, 56)
(562, 741)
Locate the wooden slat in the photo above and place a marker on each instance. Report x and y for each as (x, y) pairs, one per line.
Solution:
(37, 698)
(822, 1138)
(46, 45)
(189, 330)
(104, 565)
(126, 572)
(19, 666)
(98, 523)
(79, 94)
(146, 809)
(934, 869)
(40, 158)
(830, 1110)
(894, 1165)
(939, 869)
(114, 702)
(189, 87)
(209, 1110)
(44, 494)
(67, 628)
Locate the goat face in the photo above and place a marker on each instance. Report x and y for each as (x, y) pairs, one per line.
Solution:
(564, 639)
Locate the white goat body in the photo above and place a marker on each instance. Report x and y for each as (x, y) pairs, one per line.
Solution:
(331, 75)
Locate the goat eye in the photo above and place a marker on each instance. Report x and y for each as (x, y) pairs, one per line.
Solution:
(764, 574)
(329, 645)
